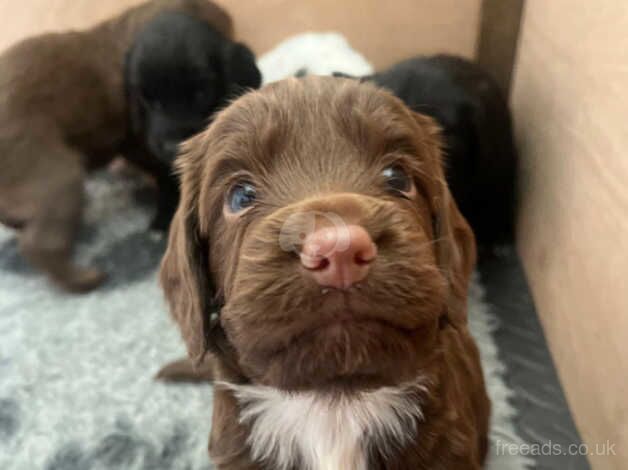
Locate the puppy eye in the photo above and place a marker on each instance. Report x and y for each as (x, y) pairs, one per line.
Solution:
(397, 179)
(241, 196)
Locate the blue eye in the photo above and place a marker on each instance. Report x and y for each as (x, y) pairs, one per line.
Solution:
(397, 179)
(241, 196)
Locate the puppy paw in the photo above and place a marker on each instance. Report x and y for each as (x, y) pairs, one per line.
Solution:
(185, 370)
(82, 280)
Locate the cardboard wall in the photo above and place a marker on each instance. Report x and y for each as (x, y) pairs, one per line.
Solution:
(384, 31)
(570, 98)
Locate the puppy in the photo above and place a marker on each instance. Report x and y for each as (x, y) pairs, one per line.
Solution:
(481, 157)
(317, 267)
(180, 70)
(63, 112)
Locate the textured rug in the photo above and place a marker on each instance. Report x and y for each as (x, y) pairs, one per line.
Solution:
(76, 388)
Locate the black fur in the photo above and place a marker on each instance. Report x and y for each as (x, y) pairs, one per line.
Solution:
(481, 157)
(179, 72)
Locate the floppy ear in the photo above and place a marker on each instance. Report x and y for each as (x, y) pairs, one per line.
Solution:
(456, 252)
(454, 239)
(184, 274)
(239, 68)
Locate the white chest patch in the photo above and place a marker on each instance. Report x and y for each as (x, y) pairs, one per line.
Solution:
(323, 432)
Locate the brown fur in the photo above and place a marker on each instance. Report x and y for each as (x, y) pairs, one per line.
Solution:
(63, 111)
(320, 144)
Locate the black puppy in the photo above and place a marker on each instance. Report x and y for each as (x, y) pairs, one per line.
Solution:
(179, 71)
(473, 113)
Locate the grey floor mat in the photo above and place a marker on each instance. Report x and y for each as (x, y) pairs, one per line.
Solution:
(544, 416)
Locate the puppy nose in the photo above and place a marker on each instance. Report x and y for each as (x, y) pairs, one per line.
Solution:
(338, 256)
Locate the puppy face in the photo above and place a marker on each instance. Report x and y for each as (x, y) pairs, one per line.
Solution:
(296, 160)
(179, 72)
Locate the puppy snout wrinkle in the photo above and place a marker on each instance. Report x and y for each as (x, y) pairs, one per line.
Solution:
(338, 257)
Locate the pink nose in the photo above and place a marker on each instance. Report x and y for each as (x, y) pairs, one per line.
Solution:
(338, 256)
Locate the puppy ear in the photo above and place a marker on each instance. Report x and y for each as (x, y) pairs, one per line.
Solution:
(454, 239)
(239, 68)
(456, 252)
(184, 273)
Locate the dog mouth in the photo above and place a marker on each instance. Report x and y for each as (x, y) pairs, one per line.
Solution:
(329, 325)
(349, 312)
(341, 338)
(344, 350)
(345, 320)
(347, 315)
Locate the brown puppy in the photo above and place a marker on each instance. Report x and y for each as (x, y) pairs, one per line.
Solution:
(318, 258)
(63, 111)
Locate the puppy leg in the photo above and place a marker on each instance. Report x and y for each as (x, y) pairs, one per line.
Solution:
(48, 237)
(186, 370)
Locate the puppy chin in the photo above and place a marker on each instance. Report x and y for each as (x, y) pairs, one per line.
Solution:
(344, 354)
